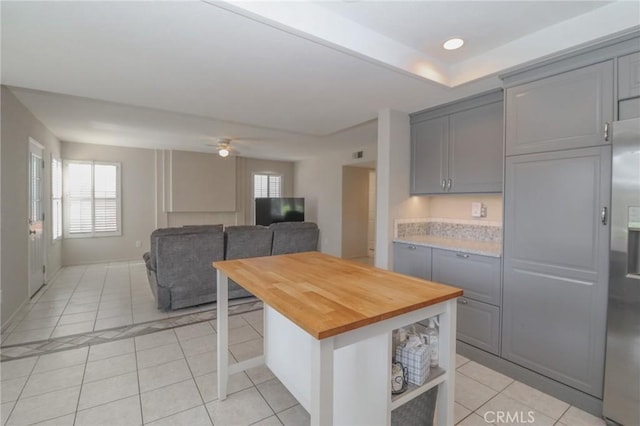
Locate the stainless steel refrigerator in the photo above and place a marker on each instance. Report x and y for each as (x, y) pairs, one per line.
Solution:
(622, 370)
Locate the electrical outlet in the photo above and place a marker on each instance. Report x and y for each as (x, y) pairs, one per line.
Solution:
(138, 244)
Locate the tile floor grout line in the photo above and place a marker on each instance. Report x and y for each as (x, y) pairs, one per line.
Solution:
(468, 415)
(193, 377)
(84, 373)
(68, 300)
(563, 413)
(31, 304)
(483, 404)
(106, 378)
(135, 354)
(529, 406)
(22, 390)
(130, 291)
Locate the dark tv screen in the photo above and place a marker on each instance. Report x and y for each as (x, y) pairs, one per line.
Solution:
(272, 210)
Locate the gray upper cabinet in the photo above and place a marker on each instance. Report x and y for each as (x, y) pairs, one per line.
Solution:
(629, 76)
(475, 149)
(429, 156)
(569, 110)
(629, 86)
(556, 264)
(413, 260)
(458, 148)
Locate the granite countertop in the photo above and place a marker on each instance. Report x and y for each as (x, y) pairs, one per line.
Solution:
(485, 248)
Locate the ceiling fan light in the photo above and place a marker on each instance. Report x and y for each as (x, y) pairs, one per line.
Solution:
(452, 44)
(223, 152)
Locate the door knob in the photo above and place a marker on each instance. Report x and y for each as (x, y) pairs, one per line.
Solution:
(32, 232)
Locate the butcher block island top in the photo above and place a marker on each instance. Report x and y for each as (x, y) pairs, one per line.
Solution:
(325, 295)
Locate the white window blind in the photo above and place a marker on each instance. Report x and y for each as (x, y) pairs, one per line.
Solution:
(267, 186)
(92, 199)
(56, 198)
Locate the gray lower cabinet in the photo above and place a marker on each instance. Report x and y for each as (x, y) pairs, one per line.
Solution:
(479, 309)
(458, 148)
(555, 277)
(413, 260)
(478, 276)
(569, 110)
(478, 324)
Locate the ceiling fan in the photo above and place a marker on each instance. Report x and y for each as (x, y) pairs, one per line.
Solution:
(223, 146)
(241, 145)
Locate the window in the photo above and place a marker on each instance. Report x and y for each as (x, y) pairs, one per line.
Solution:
(267, 186)
(91, 199)
(56, 198)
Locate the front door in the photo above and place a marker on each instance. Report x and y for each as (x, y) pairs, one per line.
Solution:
(36, 217)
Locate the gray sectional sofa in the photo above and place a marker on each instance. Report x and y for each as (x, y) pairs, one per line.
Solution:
(179, 261)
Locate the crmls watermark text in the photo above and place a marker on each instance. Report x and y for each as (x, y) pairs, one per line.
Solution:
(510, 417)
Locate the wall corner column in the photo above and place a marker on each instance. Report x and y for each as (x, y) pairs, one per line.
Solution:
(392, 179)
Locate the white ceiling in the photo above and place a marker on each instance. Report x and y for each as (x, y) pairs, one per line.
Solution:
(289, 80)
(425, 26)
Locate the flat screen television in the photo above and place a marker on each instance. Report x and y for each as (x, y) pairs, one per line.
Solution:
(272, 210)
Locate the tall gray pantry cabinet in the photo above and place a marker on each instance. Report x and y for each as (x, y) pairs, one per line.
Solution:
(556, 235)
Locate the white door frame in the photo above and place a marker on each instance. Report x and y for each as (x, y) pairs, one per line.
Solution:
(36, 279)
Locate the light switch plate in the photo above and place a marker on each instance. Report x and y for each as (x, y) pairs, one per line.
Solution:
(476, 209)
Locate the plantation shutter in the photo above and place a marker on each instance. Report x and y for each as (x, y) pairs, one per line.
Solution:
(56, 198)
(91, 199)
(105, 207)
(274, 186)
(260, 186)
(267, 186)
(79, 184)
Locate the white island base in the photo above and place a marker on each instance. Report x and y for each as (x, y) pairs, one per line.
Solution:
(361, 388)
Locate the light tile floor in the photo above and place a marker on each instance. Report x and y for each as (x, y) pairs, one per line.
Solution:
(169, 377)
(88, 298)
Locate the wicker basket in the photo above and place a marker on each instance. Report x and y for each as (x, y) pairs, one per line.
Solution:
(417, 412)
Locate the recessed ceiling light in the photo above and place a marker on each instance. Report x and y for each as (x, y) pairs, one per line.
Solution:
(453, 43)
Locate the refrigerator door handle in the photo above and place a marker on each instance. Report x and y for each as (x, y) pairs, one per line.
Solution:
(603, 216)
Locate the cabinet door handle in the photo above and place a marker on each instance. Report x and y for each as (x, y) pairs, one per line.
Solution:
(411, 247)
(462, 255)
(444, 184)
(603, 215)
(463, 301)
(606, 131)
(449, 185)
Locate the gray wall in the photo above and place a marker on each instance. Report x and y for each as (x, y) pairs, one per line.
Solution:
(144, 188)
(18, 124)
(319, 180)
(138, 205)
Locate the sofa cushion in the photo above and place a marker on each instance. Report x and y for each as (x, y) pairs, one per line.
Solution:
(247, 241)
(242, 242)
(184, 266)
(188, 229)
(294, 237)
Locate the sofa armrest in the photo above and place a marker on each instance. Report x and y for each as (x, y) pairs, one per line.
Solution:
(185, 260)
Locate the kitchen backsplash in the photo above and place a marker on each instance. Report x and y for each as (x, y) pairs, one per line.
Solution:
(448, 228)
